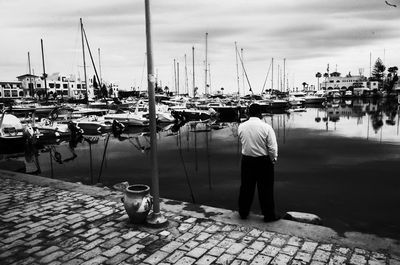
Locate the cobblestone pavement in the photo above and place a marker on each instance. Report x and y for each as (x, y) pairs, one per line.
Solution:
(43, 225)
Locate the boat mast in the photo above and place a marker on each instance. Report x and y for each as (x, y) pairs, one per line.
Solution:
(177, 75)
(194, 83)
(156, 218)
(29, 63)
(272, 75)
(209, 78)
(244, 84)
(176, 90)
(84, 62)
(101, 79)
(284, 73)
(237, 69)
(205, 77)
(186, 78)
(44, 69)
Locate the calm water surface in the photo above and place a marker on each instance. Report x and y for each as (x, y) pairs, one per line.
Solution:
(340, 162)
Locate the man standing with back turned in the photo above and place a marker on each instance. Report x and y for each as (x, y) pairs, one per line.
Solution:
(259, 154)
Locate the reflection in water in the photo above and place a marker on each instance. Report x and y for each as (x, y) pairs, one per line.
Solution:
(329, 160)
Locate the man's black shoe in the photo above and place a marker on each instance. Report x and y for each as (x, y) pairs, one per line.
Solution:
(268, 219)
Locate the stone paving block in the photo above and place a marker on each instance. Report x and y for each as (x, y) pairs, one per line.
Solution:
(95, 261)
(134, 249)
(185, 227)
(72, 255)
(289, 250)
(321, 255)
(117, 259)
(47, 251)
(326, 247)
(309, 246)
(226, 243)
(303, 257)
(111, 243)
(156, 257)
(51, 257)
(196, 252)
(33, 249)
(196, 229)
(129, 242)
(91, 253)
(185, 261)
(212, 229)
(175, 256)
(185, 237)
(278, 242)
(235, 248)
(189, 245)
(248, 254)
(202, 236)
(225, 259)
(112, 252)
(206, 260)
(271, 251)
(216, 251)
(337, 260)
(236, 235)
(258, 245)
(207, 245)
(261, 260)
(171, 246)
(358, 259)
(281, 259)
(342, 251)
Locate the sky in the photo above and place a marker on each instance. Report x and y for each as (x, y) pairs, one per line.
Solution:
(306, 34)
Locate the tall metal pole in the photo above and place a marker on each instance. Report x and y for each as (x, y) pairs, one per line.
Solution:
(84, 61)
(209, 79)
(194, 81)
(101, 79)
(186, 78)
(29, 63)
(205, 77)
(284, 73)
(30, 80)
(237, 69)
(44, 69)
(272, 75)
(177, 75)
(243, 80)
(156, 218)
(176, 88)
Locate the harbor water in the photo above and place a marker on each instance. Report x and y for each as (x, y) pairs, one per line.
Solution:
(340, 162)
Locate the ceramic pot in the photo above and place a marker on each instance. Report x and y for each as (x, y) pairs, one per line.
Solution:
(137, 202)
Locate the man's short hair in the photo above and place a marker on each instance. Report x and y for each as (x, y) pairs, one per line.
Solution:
(255, 110)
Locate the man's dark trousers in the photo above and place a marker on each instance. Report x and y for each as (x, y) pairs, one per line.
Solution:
(257, 171)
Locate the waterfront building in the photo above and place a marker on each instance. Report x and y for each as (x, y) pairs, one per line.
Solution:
(58, 85)
(11, 89)
(359, 85)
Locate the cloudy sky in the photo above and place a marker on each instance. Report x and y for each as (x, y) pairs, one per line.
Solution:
(309, 33)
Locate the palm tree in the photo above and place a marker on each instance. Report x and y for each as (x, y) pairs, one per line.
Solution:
(318, 75)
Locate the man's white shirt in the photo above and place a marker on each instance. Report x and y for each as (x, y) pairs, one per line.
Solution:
(258, 139)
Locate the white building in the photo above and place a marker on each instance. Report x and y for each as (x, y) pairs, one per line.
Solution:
(358, 84)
